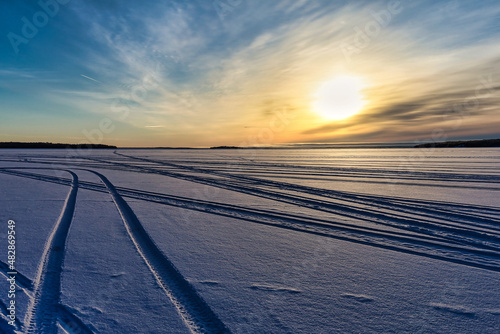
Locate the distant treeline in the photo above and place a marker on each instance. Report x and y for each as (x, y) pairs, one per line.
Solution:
(467, 143)
(52, 145)
(224, 147)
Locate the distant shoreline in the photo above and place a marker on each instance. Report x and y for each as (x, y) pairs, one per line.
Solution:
(37, 145)
(462, 143)
(484, 143)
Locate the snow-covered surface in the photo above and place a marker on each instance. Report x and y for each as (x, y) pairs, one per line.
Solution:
(253, 241)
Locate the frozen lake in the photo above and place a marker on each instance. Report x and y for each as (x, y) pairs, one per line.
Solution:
(252, 241)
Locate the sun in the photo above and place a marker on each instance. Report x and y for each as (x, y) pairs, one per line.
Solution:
(339, 98)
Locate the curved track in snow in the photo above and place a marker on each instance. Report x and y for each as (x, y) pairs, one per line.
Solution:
(195, 312)
(472, 251)
(71, 323)
(465, 234)
(45, 309)
(41, 316)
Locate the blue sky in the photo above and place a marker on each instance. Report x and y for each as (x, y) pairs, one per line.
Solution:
(241, 72)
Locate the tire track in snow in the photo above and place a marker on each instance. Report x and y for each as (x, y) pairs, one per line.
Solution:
(196, 204)
(67, 319)
(205, 205)
(475, 257)
(469, 228)
(71, 323)
(42, 313)
(381, 201)
(460, 213)
(4, 320)
(22, 281)
(434, 208)
(349, 171)
(479, 258)
(194, 311)
(382, 179)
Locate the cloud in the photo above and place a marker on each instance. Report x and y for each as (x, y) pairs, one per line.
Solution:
(185, 69)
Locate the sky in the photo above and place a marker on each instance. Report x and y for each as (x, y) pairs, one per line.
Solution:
(205, 73)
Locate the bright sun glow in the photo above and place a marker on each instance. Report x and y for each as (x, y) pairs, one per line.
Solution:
(339, 98)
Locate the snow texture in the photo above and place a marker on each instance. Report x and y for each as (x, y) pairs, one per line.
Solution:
(253, 241)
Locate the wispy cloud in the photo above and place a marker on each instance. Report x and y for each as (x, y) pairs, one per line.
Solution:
(179, 69)
(90, 78)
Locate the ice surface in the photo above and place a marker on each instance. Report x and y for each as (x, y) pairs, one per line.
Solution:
(258, 241)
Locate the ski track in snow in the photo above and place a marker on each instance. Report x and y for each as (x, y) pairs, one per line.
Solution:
(41, 316)
(195, 312)
(385, 202)
(67, 319)
(4, 321)
(479, 250)
(465, 234)
(363, 207)
(45, 308)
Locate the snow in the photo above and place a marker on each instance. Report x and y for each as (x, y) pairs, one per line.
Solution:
(257, 241)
